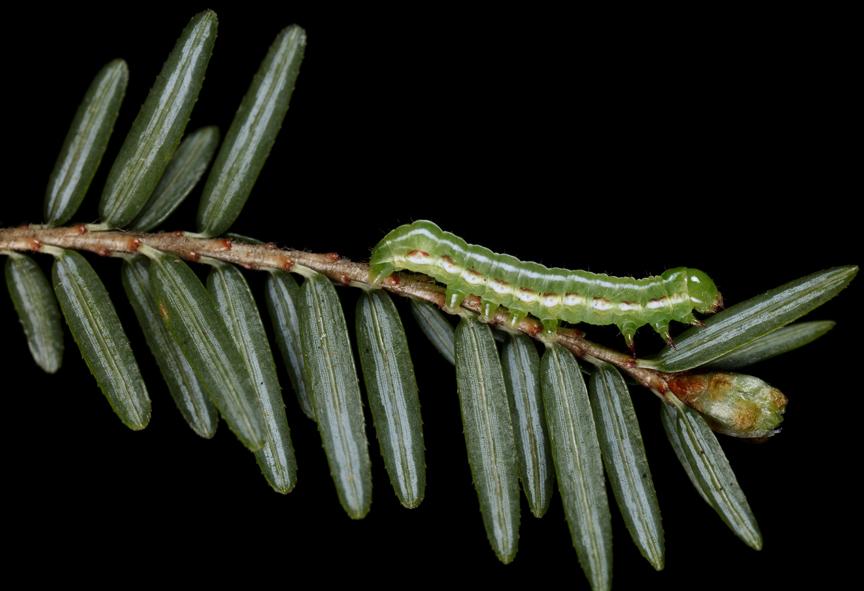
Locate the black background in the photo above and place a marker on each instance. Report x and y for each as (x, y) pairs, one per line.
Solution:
(620, 145)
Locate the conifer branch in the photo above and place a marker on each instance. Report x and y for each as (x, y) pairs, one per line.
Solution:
(252, 256)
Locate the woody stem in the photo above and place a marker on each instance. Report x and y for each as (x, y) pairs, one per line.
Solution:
(250, 256)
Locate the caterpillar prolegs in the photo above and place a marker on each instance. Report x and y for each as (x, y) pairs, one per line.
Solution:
(550, 295)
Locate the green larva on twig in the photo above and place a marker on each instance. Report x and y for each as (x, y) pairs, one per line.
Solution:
(549, 294)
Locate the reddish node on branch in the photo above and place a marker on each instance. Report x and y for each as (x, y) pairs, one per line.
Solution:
(287, 264)
(345, 280)
(534, 330)
(134, 243)
(35, 245)
(82, 228)
(193, 256)
(249, 267)
(178, 233)
(333, 256)
(226, 244)
(272, 245)
(104, 252)
(393, 280)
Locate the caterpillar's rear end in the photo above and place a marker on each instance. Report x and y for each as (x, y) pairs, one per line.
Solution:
(420, 240)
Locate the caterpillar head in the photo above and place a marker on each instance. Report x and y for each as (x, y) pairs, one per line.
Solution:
(703, 293)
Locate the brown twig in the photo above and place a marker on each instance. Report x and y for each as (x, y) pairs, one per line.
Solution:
(249, 256)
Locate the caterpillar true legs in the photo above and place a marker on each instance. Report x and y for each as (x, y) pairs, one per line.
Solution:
(551, 295)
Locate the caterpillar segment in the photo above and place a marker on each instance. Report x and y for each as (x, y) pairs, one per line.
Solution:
(550, 295)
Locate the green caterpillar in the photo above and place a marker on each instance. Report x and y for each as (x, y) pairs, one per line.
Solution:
(549, 294)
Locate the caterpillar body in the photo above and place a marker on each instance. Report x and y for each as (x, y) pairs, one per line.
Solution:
(551, 295)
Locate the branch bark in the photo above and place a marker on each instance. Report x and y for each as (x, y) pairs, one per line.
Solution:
(250, 256)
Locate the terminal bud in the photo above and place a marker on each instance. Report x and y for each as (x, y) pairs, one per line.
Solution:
(732, 403)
